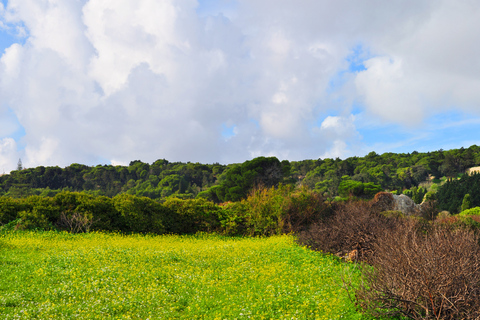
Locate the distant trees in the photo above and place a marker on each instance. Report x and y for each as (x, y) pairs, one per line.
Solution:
(162, 179)
(452, 196)
(238, 180)
(352, 188)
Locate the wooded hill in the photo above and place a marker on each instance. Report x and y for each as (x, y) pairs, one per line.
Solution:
(358, 176)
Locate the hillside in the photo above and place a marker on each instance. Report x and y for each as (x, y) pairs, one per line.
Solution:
(162, 179)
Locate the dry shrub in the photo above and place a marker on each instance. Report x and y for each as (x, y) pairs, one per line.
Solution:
(432, 275)
(304, 208)
(428, 210)
(354, 226)
(76, 222)
(471, 223)
(384, 201)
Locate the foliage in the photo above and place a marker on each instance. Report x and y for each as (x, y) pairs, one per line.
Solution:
(273, 211)
(450, 195)
(417, 194)
(222, 183)
(466, 203)
(110, 276)
(266, 211)
(139, 214)
(191, 216)
(352, 188)
(9, 208)
(156, 180)
(238, 180)
(475, 211)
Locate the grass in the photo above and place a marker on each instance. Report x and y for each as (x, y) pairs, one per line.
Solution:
(51, 275)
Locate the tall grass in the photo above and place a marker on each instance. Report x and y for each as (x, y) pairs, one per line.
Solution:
(110, 276)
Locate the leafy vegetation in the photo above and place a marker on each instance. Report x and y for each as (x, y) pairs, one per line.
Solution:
(220, 183)
(453, 194)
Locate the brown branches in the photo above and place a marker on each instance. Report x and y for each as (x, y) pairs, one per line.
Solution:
(76, 222)
(423, 276)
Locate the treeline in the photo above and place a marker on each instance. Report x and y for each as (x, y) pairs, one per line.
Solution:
(391, 171)
(360, 176)
(157, 180)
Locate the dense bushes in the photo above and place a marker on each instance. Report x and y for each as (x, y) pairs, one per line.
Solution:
(191, 215)
(269, 211)
(264, 212)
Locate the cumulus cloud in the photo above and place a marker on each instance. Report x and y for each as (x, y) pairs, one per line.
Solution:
(113, 81)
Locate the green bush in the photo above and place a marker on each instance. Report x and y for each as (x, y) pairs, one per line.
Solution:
(266, 209)
(102, 210)
(42, 207)
(232, 218)
(471, 212)
(9, 208)
(192, 215)
(139, 214)
(270, 211)
(34, 220)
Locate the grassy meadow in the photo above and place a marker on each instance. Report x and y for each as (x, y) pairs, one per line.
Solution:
(45, 275)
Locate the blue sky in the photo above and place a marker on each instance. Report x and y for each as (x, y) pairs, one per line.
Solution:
(224, 81)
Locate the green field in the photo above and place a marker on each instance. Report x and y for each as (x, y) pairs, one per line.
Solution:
(107, 276)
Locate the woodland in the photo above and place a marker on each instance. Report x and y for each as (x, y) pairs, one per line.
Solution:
(412, 174)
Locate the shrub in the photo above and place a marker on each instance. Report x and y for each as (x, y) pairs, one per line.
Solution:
(191, 215)
(458, 221)
(100, 209)
(9, 208)
(466, 203)
(432, 275)
(303, 209)
(384, 201)
(266, 208)
(272, 211)
(353, 226)
(232, 218)
(76, 222)
(33, 220)
(428, 210)
(139, 214)
(471, 212)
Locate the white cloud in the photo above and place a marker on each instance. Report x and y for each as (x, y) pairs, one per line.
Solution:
(388, 93)
(432, 69)
(336, 131)
(149, 79)
(8, 155)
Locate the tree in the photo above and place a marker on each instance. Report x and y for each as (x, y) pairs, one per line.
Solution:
(466, 203)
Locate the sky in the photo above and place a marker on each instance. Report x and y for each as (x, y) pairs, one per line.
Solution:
(108, 82)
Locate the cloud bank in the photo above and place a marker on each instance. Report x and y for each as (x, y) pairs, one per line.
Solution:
(113, 81)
